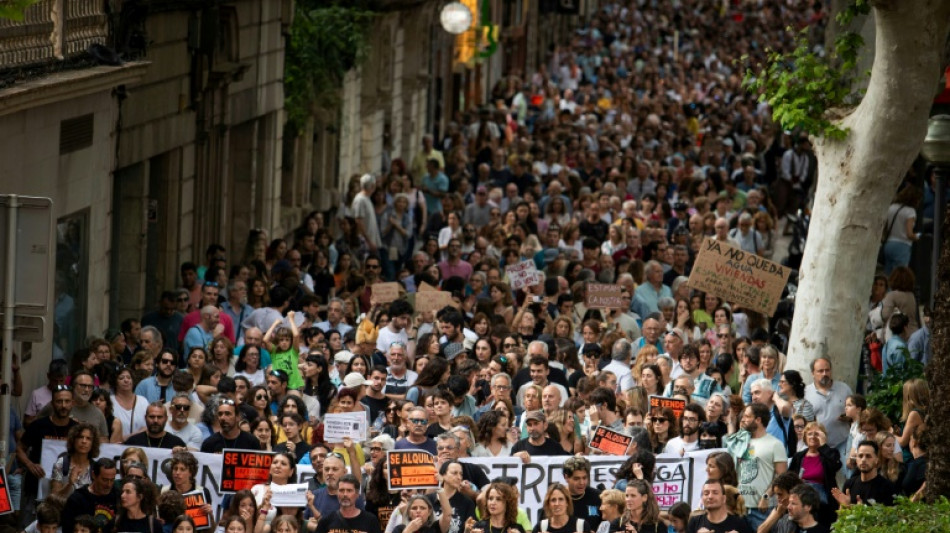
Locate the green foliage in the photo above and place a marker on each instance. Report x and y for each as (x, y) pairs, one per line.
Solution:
(905, 517)
(886, 392)
(14, 9)
(327, 39)
(801, 87)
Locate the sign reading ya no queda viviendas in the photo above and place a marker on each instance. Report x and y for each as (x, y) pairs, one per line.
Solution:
(734, 275)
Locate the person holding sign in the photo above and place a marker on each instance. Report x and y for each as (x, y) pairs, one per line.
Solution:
(184, 476)
(283, 470)
(558, 511)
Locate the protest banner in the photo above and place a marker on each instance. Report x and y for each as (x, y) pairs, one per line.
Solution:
(194, 507)
(6, 502)
(337, 426)
(411, 469)
(433, 300)
(384, 293)
(677, 478)
(609, 441)
(603, 296)
(523, 274)
(242, 469)
(661, 402)
(737, 276)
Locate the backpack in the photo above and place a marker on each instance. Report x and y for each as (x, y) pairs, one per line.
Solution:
(579, 527)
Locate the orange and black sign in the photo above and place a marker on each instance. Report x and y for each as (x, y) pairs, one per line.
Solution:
(242, 469)
(411, 469)
(6, 505)
(610, 441)
(662, 402)
(194, 507)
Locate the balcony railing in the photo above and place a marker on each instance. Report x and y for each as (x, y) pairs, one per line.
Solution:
(52, 30)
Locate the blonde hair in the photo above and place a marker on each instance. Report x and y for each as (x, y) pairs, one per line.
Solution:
(734, 501)
(890, 467)
(614, 497)
(916, 396)
(640, 360)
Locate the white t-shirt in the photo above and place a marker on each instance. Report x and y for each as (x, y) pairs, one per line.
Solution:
(363, 209)
(757, 467)
(132, 419)
(190, 434)
(386, 337)
(678, 446)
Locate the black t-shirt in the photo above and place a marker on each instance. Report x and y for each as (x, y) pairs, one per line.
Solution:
(914, 478)
(384, 512)
(878, 490)
(375, 405)
(474, 474)
(817, 528)
(597, 230)
(463, 508)
(731, 523)
(555, 375)
(588, 508)
(301, 449)
(549, 448)
(43, 428)
(148, 524)
(337, 523)
(102, 509)
(434, 430)
(167, 441)
(484, 526)
(570, 527)
(216, 443)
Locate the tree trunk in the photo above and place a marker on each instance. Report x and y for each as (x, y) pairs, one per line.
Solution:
(938, 376)
(858, 178)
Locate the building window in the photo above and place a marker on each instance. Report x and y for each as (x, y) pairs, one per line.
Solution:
(70, 298)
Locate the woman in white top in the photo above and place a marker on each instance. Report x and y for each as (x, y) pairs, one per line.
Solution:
(249, 365)
(127, 407)
(494, 428)
(615, 240)
(283, 470)
(452, 231)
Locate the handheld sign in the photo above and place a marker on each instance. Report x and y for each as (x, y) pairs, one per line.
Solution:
(523, 274)
(433, 300)
(384, 293)
(6, 504)
(194, 503)
(737, 276)
(603, 296)
(411, 469)
(337, 426)
(660, 402)
(610, 441)
(242, 469)
(289, 495)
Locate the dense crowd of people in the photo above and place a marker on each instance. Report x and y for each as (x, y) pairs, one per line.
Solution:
(611, 164)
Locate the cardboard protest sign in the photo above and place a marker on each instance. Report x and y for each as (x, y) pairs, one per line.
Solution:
(6, 503)
(194, 503)
(242, 469)
(433, 301)
(747, 279)
(425, 287)
(337, 426)
(603, 296)
(385, 293)
(411, 469)
(661, 402)
(523, 274)
(610, 441)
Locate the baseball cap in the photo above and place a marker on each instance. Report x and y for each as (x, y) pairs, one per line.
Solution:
(355, 379)
(344, 356)
(535, 415)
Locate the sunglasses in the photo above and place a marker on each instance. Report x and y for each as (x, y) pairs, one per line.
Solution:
(660, 421)
(211, 284)
(60, 388)
(509, 345)
(374, 267)
(181, 407)
(338, 455)
(182, 300)
(418, 421)
(164, 361)
(723, 335)
(260, 397)
(376, 449)
(392, 409)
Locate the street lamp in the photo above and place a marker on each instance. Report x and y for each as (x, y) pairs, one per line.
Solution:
(456, 18)
(936, 151)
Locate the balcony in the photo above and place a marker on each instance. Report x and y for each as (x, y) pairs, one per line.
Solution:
(51, 31)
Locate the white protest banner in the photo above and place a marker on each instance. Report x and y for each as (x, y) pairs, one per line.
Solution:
(336, 426)
(523, 274)
(208, 470)
(289, 495)
(677, 479)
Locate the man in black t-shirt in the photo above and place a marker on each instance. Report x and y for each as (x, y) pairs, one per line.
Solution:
(463, 507)
(586, 500)
(717, 518)
(99, 499)
(803, 503)
(230, 435)
(375, 400)
(866, 486)
(54, 427)
(155, 435)
(537, 442)
(349, 519)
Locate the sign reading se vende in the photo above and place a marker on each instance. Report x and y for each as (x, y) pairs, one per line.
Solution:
(662, 402)
(737, 276)
(242, 469)
(603, 296)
